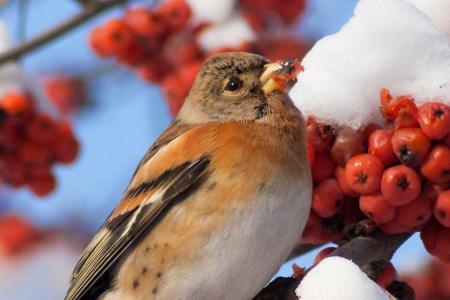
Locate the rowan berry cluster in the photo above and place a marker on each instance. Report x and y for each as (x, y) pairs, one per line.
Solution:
(31, 142)
(16, 235)
(397, 176)
(160, 44)
(65, 92)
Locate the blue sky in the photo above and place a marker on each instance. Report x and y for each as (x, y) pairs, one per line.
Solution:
(125, 116)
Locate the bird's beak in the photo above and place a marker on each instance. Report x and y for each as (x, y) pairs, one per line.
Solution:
(280, 76)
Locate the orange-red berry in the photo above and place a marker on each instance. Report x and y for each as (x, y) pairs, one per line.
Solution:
(339, 174)
(379, 144)
(323, 167)
(436, 166)
(386, 275)
(43, 185)
(347, 144)
(410, 145)
(315, 232)
(434, 119)
(144, 22)
(363, 173)
(442, 208)
(327, 198)
(428, 234)
(175, 13)
(377, 208)
(416, 213)
(395, 227)
(400, 185)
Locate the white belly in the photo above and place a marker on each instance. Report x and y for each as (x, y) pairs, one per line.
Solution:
(241, 259)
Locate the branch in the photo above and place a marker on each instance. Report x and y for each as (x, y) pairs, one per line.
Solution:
(89, 11)
(361, 250)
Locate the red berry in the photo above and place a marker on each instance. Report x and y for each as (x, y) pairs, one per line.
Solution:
(339, 174)
(442, 248)
(315, 232)
(145, 23)
(323, 167)
(386, 275)
(323, 254)
(416, 213)
(369, 130)
(442, 208)
(17, 104)
(381, 146)
(65, 146)
(15, 234)
(310, 153)
(433, 190)
(112, 37)
(363, 173)
(43, 185)
(320, 136)
(428, 234)
(175, 13)
(400, 185)
(434, 119)
(405, 120)
(395, 227)
(32, 152)
(13, 170)
(327, 198)
(347, 144)
(410, 145)
(350, 211)
(446, 140)
(377, 208)
(134, 55)
(42, 128)
(66, 93)
(436, 166)
(10, 138)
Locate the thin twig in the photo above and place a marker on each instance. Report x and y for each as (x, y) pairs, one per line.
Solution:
(91, 10)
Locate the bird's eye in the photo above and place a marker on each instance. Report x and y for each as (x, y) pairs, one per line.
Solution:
(233, 84)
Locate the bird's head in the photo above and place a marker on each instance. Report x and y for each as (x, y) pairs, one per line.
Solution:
(238, 86)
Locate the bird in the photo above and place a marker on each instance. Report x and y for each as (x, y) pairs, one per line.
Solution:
(219, 200)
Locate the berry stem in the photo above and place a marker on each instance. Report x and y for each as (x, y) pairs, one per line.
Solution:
(92, 9)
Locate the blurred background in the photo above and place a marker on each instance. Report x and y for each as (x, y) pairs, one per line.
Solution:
(116, 107)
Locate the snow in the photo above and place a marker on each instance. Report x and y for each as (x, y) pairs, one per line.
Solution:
(212, 11)
(336, 278)
(11, 77)
(438, 11)
(231, 33)
(387, 43)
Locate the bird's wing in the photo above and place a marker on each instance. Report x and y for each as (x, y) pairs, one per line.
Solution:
(166, 177)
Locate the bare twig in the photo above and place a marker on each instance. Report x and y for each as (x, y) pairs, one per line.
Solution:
(361, 250)
(91, 10)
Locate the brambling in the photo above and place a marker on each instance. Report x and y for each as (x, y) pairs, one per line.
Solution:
(218, 202)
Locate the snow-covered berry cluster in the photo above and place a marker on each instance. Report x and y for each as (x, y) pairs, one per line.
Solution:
(397, 176)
